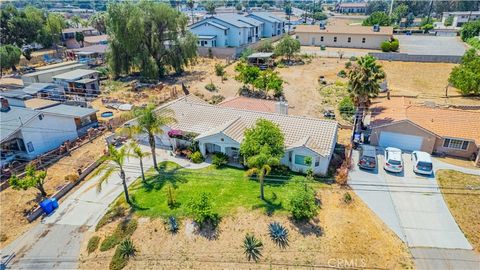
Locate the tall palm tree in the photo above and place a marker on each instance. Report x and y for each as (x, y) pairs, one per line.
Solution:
(191, 4)
(260, 165)
(136, 151)
(76, 20)
(364, 77)
(149, 122)
(113, 162)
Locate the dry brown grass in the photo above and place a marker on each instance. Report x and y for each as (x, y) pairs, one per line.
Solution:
(465, 203)
(340, 232)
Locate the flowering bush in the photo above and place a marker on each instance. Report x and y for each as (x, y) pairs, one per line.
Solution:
(175, 133)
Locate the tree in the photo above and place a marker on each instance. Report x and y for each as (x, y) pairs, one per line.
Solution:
(53, 28)
(364, 77)
(136, 151)
(210, 7)
(376, 6)
(79, 37)
(319, 16)
(377, 18)
(147, 121)
(150, 37)
(409, 20)
(287, 46)
(265, 46)
(346, 108)
(98, 21)
(247, 74)
(20, 27)
(113, 162)
(399, 12)
(10, 57)
(261, 165)
(32, 178)
(385, 46)
(202, 210)
(469, 30)
(269, 80)
(239, 6)
(449, 21)
(76, 21)
(466, 77)
(302, 204)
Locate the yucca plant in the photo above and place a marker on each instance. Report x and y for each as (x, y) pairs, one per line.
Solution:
(278, 234)
(127, 248)
(172, 224)
(252, 247)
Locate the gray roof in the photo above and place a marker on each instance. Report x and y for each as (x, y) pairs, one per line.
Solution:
(316, 134)
(266, 16)
(260, 55)
(12, 121)
(37, 87)
(232, 19)
(54, 70)
(68, 110)
(99, 48)
(74, 74)
(250, 20)
(17, 93)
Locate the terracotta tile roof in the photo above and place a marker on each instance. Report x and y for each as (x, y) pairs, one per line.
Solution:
(252, 104)
(445, 122)
(205, 119)
(344, 29)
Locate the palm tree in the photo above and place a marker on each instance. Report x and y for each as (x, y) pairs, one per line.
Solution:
(260, 165)
(136, 151)
(113, 162)
(149, 122)
(364, 77)
(76, 20)
(191, 4)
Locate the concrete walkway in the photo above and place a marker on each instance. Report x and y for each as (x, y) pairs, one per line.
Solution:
(55, 243)
(413, 207)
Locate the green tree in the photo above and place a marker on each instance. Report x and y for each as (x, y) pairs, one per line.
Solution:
(265, 46)
(20, 27)
(470, 29)
(380, 18)
(302, 204)
(247, 74)
(261, 165)
(136, 151)
(210, 6)
(76, 21)
(202, 210)
(33, 178)
(364, 77)
(268, 80)
(147, 121)
(287, 46)
(466, 77)
(113, 162)
(53, 29)
(319, 16)
(99, 21)
(449, 21)
(376, 6)
(80, 37)
(399, 12)
(10, 57)
(346, 108)
(263, 133)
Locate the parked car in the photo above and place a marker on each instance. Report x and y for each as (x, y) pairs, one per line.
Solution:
(393, 160)
(368, 157)
(422, 162)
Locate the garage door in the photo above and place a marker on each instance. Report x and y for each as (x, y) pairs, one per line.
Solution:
(401, 141)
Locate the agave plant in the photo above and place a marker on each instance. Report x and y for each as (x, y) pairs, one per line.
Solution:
(127, 248)
(252, 247)
(172, 224)
(278, 233)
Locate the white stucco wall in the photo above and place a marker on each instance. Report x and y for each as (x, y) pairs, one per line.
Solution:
(209, 30)
(321, 169)
(219, 139)
(314, 39)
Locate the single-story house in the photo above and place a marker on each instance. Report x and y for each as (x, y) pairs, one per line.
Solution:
(460, 17)
(26, 133)
(45, 75)
(401, 123)
(255, 104)
(68, 35)
(353, 7)
(272, 25)
(19, 97)
(221, 129)
(79, 81)
(344, 36)
(95, 40)
(91, 55)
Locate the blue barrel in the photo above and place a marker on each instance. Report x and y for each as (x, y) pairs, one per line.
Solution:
(54, 203)
(47, 206)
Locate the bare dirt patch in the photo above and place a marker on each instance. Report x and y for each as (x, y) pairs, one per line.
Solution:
(340, 232)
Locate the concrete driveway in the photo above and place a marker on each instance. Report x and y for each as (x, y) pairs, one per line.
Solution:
(413, 207)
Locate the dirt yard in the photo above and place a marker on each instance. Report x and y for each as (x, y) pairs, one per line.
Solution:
(16, 203)
(341, 233)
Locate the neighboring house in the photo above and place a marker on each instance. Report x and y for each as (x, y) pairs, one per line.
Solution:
(79, 81)
(27, 133)
(221, 129)
(460, 17)
(358, 7)
(95, 40)
(84, 118)
(415, 23)
(92, 55)
(344, 36)
(68, 36)
(272, 25)
(400, 123)
(45, 75)
(256, 104)
(49, 91)
(227, 30)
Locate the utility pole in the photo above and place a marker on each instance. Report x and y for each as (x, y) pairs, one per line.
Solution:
(391, 8)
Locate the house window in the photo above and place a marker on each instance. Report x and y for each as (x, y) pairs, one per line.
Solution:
(349, 39)
(300, 160)
(334, 39)
(363, 40)
(317, 161)
(321, 39)
(30, 147)
(225, 32)
(455, 144)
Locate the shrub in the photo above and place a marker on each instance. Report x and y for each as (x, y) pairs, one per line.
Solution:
(93, 244)
(394, 45)
(124, 230)
(278, 234)
(466, 77)
(112, 215)
(118, 262)
(302, 203)
(170, 197)
(427, 27)
(470, 29)
(127, 248)
(348, 64)
(219, 159)
(347, 198)
(172, 224)
(265, 46)
(202, 211)
(342, 74)
(252, 247)
(341, 177)
(219, 70)
(353, 58)
(346, 108)
(71, 177)
(385, 46)
(211, 87)
(196, 157)
(216, 99)
(3, 237)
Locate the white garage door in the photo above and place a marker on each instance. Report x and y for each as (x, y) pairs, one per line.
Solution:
(401, 141)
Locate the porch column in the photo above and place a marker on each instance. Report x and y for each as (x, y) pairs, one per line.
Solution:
(202, 148)
(222, 149)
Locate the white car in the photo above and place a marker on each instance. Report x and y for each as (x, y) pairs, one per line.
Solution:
(422, 162)
(393, 160)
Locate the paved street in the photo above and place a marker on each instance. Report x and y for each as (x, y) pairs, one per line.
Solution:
(413, 207)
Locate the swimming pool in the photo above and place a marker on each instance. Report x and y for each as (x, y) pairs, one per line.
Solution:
(107, 114)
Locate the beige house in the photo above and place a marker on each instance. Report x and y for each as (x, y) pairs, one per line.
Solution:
(400, 123)
(344, 36)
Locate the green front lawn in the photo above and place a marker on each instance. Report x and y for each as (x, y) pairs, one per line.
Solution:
(228, 187)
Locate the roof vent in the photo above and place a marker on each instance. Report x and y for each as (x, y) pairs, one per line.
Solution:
(376, 28)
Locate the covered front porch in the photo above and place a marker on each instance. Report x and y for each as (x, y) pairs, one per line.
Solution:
(208, 149)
